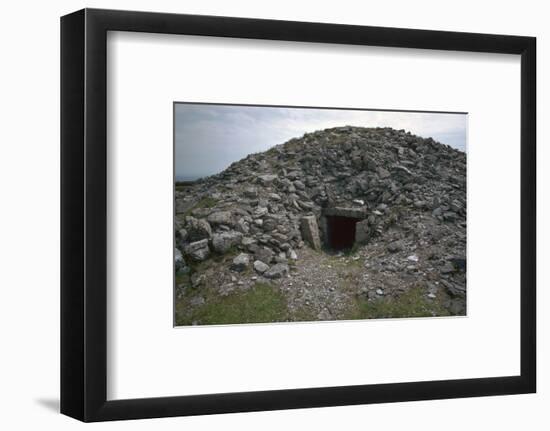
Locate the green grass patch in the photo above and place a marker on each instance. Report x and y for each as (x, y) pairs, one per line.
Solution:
(205, 202)
(260, 304)
(182, 279)
(413, 303)
(304, 314)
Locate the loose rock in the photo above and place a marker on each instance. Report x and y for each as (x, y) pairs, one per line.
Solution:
(260, 267)
(277, 271)
(198, 251)
(240, 262)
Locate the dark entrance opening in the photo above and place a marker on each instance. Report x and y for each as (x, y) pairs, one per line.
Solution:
(340, 232)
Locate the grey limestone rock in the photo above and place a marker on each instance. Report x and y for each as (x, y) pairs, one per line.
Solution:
(240, 262)
(278, 270)
(198, 250)
(310, 232)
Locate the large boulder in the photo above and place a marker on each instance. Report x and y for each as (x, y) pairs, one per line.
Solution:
(362, 232)
(264, 254)
(250, 192)
(266, 179)
(222, 242)
(260, 266)
(278, 270)
(221, 218)
(310, 232)
(198, 250)
(197, 229)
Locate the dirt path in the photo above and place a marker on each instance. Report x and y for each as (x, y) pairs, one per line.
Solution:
(323, 286)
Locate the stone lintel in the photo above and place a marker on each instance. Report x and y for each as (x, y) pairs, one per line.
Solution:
(353, 212)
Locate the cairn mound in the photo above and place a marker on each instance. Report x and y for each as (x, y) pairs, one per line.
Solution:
(395, 200)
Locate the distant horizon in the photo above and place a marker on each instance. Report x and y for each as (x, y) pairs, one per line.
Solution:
(209, 138)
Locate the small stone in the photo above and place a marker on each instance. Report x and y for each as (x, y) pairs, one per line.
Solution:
(395, 246)
(449, 216)
(299, 185)
(197, 279)
(447, 268)
(383, 173)
(413, 258)
(437, 212)
(247, 241)
(379, 292)
(260, 211)
(324, 314)
(196, 301)
(178, 258)
(285, 246)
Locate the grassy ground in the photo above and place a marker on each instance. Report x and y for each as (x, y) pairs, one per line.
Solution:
(206, 202)
(412, 303)
(262, 303)
(298, 301)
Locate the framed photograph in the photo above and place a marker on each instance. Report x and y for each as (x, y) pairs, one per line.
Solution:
(262, 215)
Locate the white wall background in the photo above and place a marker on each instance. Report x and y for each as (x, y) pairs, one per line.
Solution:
(29, 224)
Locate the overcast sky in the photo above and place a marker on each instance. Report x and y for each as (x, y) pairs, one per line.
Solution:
(211, 137)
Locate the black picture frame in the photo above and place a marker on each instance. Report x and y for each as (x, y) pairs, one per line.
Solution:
(84, 214)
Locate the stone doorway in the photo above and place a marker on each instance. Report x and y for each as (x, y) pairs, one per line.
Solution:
(343, 227)
(340, 233)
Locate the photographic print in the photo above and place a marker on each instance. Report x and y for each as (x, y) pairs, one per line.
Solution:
(298, 214)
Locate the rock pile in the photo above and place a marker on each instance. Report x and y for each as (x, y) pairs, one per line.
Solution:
(389, 186)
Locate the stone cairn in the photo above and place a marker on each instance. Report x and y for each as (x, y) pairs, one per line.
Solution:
(268, 205)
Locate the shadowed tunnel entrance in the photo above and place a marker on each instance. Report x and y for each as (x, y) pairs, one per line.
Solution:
(340, 232)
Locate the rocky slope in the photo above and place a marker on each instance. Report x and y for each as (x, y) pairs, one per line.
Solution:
(270, 218)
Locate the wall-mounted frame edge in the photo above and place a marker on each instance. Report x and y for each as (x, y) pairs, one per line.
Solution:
(84, 219)
(72, 215)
